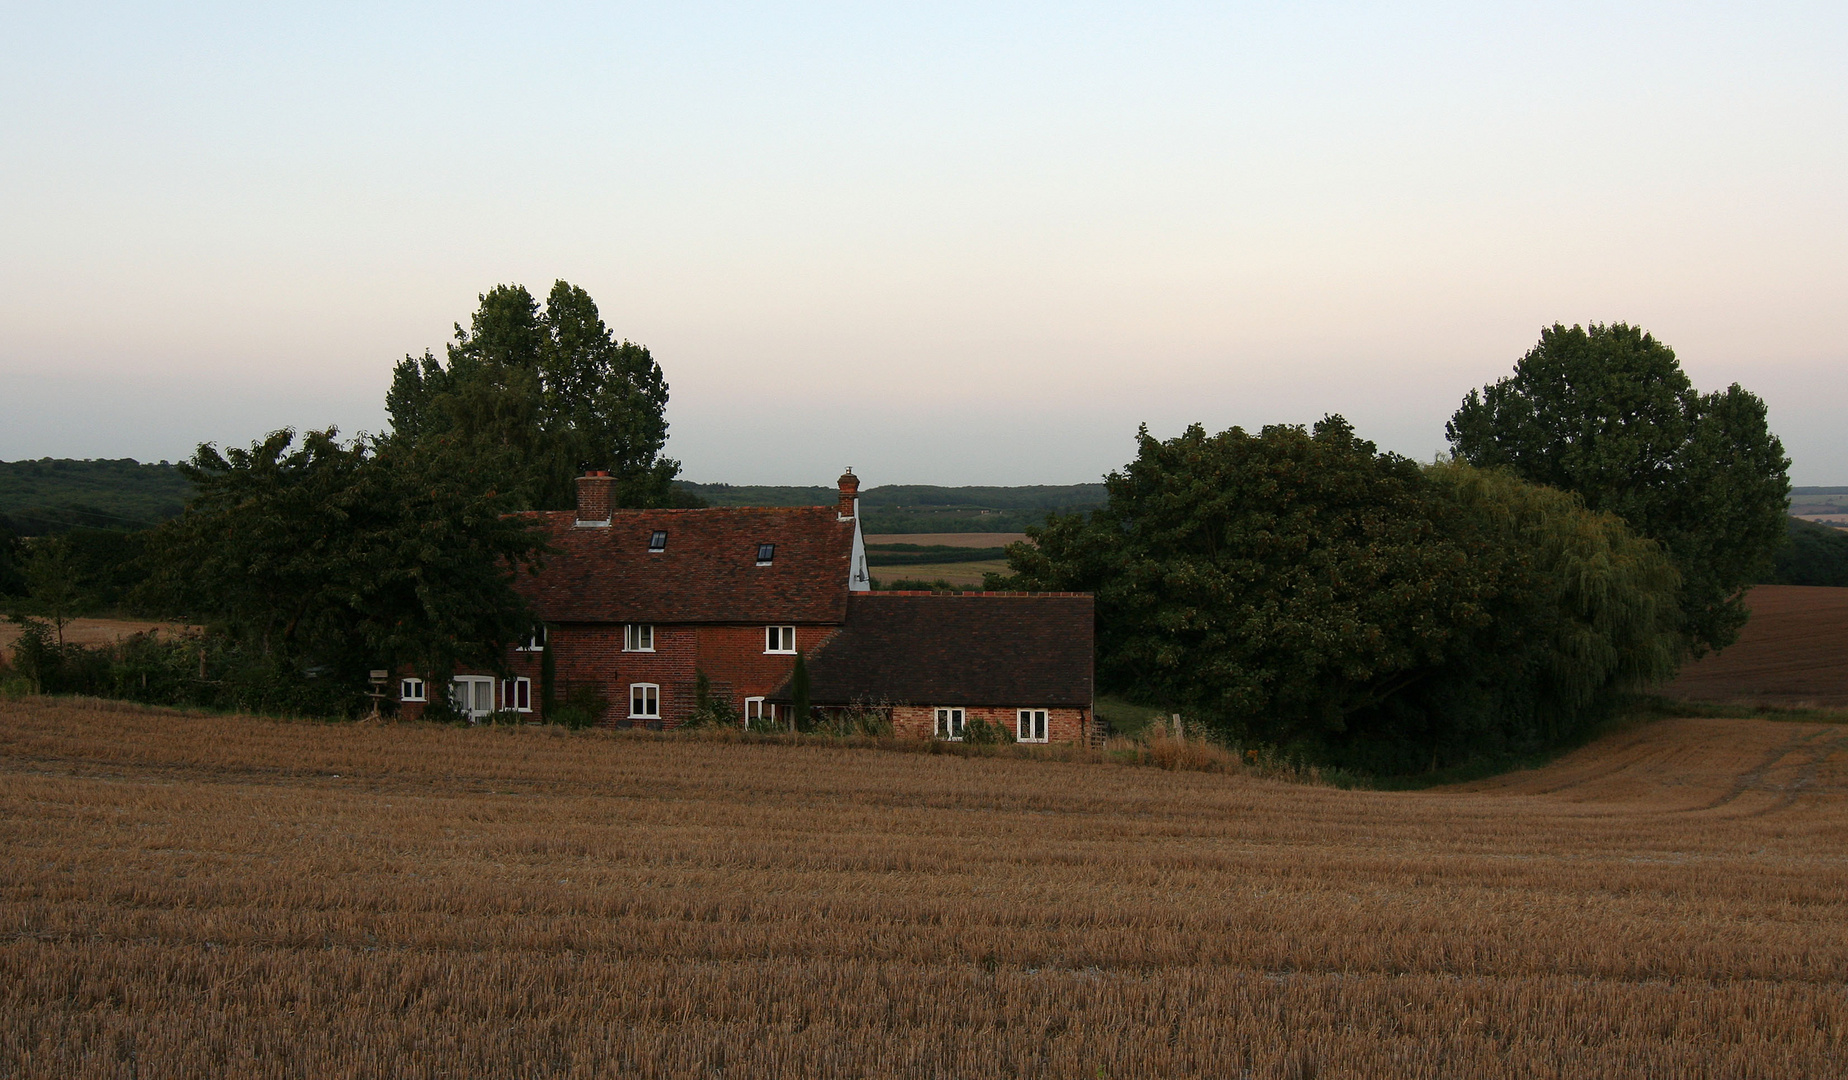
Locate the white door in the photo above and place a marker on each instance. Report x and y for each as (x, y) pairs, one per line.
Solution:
(472, 695)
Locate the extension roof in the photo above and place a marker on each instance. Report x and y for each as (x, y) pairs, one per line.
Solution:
(707, 573)
(995, 649)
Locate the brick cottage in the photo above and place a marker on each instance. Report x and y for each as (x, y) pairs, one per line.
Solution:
(638, 604)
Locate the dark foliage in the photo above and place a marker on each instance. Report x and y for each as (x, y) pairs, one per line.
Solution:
(53, 495)
(529, 396)
(324, 560)
(196, 670)
(1813, 555)
(1606, 412)
(1300, 588)
(12, 563)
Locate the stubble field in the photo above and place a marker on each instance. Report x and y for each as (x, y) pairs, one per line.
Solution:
(193, 896)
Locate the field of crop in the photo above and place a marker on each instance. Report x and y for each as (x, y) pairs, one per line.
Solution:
(1793, 652)
(195, 896)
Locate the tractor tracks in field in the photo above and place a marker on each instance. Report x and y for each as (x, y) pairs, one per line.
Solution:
(1804, 755)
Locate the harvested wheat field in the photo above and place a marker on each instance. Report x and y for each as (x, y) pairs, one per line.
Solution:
(189, 896)
(1793, 651)
(93, 631)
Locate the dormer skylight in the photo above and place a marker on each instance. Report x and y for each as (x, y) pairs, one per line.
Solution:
(658, 541)
(765, 553)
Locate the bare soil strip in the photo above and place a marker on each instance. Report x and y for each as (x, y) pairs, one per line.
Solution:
(200, 896)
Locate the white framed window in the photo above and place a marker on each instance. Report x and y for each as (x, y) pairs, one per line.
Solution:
(766, 554)
(950, 724)
(517, 694)
(472, 695)
(644, 701)
(411, 690)
(755, 712)
(657, 541)
(1031, 726)
(779, 639)
(535, 642)
(638, 637)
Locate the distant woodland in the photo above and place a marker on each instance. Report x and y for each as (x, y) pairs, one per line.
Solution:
(922, 508)
(55, 495)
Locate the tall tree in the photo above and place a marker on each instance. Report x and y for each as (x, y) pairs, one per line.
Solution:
(529, 394)
(1301, 588)
(346, 557)
(1606, 412)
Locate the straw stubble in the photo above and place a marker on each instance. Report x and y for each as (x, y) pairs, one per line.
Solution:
(224, 896)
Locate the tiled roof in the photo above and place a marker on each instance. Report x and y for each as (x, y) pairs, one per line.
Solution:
(707, 573)
(957, 649)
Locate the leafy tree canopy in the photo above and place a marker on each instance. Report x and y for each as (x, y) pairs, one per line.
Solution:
(342, 557)
(1814, 555)
(1606, 412)
(528, 395)
(1299, 587)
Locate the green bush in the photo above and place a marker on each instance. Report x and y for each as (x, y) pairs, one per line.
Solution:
(979, 732)
(583, 706)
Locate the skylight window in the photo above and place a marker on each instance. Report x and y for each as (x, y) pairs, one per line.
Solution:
(658, 542)
(765, 553)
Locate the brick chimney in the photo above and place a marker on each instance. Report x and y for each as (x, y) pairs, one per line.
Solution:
(850, 494)
(596, 489)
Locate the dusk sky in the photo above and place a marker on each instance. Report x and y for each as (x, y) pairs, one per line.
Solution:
(944, 243)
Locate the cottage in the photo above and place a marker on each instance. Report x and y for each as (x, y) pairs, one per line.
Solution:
(934, 662)
(638, 605)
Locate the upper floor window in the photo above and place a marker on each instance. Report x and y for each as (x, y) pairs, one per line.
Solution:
(779, 639)
(657, 541)
(536, 642)
(645, 701)
(638, 637)
(765, 553)
(1031, 726)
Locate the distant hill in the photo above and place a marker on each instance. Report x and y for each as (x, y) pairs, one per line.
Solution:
(53, 495)
(1829, 503)
(922, 508)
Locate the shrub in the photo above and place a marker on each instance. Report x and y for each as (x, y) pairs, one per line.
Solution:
(979, 732)
(583, 706)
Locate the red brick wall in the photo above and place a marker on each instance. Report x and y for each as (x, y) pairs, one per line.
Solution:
(521, 665)
(732, 657)
(1062, 725)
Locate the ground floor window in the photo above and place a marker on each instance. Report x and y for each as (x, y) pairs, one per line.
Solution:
(517, 694)
(1031, 726)
(411, 690)
(949, 723)
(644, 701)
(472, 695)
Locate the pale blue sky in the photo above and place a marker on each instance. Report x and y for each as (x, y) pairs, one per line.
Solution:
(943, 243)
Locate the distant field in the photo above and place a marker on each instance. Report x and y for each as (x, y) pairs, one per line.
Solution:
(955, 539)
(92, 631)
(1793, 651)
(189, 897)
(961, 574)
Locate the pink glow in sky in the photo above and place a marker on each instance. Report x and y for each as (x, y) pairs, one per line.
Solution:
(946, 243)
